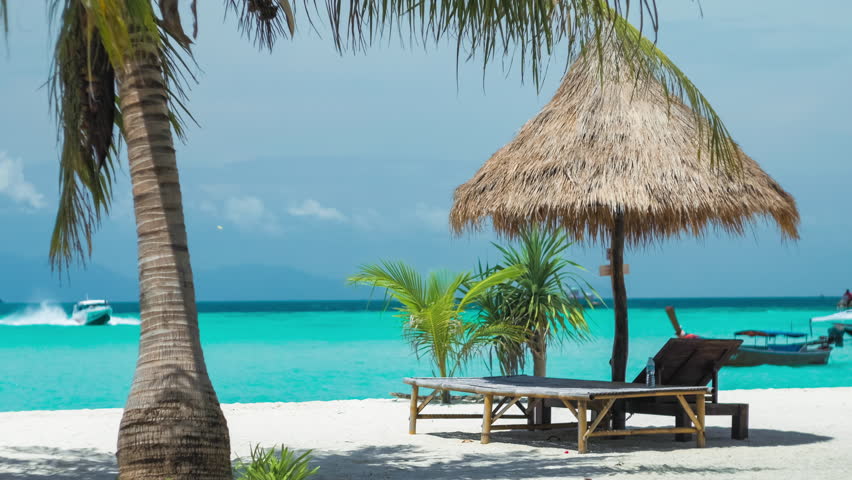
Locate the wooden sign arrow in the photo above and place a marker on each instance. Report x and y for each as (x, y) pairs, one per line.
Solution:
(606, 270)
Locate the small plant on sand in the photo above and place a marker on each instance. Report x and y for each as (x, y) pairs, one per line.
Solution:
(541, 301)
(266, 465)
(433, 309)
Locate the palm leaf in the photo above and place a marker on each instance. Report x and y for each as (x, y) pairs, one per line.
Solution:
(264, 21)
(499, 277)
(540, 300)
(646, 60)
(401, 282)
(477, 337)
(93, 41)
(82, 89)
(530, 31)
(436, 325)
(171, 23)
(4, 16)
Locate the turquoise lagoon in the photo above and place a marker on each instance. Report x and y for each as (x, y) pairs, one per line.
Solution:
(301, 351)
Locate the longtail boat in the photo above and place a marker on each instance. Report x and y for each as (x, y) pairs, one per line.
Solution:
(815, 352)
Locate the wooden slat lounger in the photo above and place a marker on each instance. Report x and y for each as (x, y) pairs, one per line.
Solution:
(576, 395)
(693, 361)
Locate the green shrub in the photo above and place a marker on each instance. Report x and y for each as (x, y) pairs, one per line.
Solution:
(266, 465)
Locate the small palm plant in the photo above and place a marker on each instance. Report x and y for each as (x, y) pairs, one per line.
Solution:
(266, 465)
(540, 301)
(434, 310)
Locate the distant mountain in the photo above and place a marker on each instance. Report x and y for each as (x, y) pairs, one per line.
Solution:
(267, 282)
(31, 280)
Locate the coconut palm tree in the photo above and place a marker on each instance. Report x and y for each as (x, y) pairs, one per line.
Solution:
(540, 301)
(121, 69)
(434, 312)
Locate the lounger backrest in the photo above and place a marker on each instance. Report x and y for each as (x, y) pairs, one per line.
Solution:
(691, 361)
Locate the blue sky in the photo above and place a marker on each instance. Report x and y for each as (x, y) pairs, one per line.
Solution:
(319, 162)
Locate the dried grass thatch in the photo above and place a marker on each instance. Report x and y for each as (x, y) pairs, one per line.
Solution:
(614, 143)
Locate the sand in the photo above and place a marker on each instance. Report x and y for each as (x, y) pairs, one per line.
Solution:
(795, 434)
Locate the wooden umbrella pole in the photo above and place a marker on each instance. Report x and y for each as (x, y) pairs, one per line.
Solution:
(619, 300)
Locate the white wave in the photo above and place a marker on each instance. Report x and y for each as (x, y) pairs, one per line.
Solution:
(124, 321)
(51, 314)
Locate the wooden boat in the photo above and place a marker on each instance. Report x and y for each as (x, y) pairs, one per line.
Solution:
(815, 352)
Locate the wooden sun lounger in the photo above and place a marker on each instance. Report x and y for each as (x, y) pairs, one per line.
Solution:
(693, 361)
(575, 395)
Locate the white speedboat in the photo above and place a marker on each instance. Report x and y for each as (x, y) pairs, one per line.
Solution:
(837, 323)
(91, 312)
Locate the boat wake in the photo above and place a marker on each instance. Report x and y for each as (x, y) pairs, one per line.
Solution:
(51, 314)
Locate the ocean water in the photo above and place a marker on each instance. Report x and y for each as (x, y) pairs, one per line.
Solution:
(300, 351)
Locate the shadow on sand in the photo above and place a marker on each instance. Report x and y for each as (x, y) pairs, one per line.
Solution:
(403, 461)
(36, 463)
(406, 461)
(717, 437)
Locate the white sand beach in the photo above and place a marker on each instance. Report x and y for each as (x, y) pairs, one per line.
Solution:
(795, 433)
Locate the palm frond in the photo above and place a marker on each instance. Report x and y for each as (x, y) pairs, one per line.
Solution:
(477, 337)
(4, 16)
(119, 20)
(646, 60)
(531, 31)
(264, 21)
(93, 41)
(436, 324)
(171, 22)
(401, 282)
(442, 285)
(82, 89)
(501, 276)
(178, 66)
(528, 29)
(540, 300)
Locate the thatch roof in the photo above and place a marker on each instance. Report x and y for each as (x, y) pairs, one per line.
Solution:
(600, 146)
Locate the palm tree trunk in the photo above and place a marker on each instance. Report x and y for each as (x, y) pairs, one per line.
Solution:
(618, 362)
(445, 394)
(172, 425)
(539, 351)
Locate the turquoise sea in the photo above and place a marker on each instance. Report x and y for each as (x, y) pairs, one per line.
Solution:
(300, 351)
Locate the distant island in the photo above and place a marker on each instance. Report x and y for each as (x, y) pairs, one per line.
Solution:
(33, 282)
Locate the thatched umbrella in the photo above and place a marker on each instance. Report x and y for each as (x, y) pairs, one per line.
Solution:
(612, 158)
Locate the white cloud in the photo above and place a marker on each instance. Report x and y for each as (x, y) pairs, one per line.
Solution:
(312, 208)
(15, 186)
(433, 217)
(208, 207)
(368, 219)
(250, 213)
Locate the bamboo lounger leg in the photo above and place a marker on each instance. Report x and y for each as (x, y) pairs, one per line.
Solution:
(499, 404)
(531, 406)
(699, 407)
(581, 426)
(600, 416)
(486, 419)
(496, 415)
(570, 408)
(413, 411)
